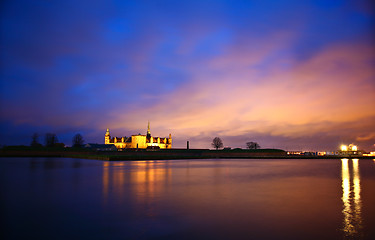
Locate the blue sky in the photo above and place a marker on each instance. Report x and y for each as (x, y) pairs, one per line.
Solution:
(288, 74)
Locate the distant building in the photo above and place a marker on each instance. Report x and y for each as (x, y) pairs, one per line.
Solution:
(295, 153)
(349, 150)
(351, 147)
(101, 147)
(139, 141)
(369, 154)
(307, 153)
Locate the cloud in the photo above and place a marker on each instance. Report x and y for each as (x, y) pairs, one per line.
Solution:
(323, 94)
(195, 69)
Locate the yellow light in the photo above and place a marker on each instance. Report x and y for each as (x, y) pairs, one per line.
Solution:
(344, 148)
(354, 148)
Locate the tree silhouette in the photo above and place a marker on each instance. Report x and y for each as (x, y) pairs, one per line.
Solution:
(252, 145)
(78, 140)
(51, 140)
(34, 142)
(217, 143)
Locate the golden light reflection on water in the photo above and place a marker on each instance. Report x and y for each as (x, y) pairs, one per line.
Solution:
(147, 178)
(113, 178)
(346, 194)
(351, 198)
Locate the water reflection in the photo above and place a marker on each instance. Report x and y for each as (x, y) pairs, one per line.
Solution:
(53, 163)
(188, 199)
(113, 179)
(139, 179)
(351, 198)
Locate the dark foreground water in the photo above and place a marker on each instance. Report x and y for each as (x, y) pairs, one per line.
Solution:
(57, 198)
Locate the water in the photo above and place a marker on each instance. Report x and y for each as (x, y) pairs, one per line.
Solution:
(62, 198)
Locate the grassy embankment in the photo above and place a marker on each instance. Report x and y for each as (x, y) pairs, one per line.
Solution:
(140, 154)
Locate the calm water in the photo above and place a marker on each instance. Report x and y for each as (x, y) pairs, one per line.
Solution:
(57, 198)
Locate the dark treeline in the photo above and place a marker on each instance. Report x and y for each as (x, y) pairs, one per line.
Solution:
(218, 143)
(51, 141)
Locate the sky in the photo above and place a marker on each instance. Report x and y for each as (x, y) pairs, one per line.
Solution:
(294, 75)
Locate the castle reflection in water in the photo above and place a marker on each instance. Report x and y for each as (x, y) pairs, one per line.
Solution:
(351, 198)
(147, 178)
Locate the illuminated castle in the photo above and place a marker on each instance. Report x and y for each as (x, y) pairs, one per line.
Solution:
(139, 141)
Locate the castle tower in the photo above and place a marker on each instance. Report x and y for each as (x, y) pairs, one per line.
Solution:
(170, 140)
(107, 137)
(148, 130)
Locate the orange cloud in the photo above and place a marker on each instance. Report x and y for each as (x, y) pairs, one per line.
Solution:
(232, 96)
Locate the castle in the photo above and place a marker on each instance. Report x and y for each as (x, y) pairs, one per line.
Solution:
(139, 141)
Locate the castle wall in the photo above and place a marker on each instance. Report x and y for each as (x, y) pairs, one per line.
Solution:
(140, 140)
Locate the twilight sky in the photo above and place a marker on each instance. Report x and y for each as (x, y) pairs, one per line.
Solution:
(295, 75)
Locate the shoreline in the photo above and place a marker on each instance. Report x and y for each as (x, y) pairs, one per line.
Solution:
(169, 154)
